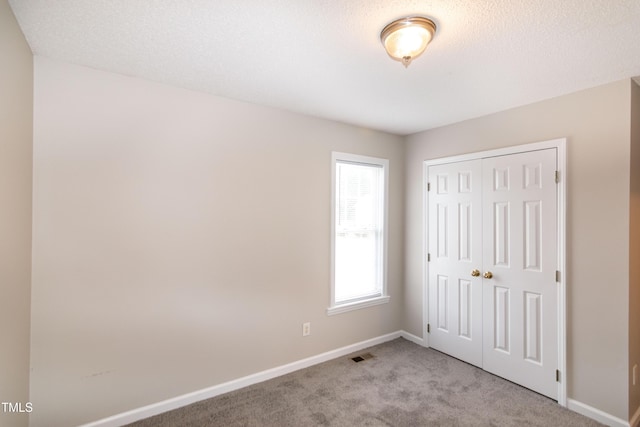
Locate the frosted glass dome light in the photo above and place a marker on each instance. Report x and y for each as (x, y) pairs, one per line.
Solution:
(405, 39)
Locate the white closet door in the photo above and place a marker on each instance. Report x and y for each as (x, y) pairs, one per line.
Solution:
(497, 215)
(520, 253)
(455, 248)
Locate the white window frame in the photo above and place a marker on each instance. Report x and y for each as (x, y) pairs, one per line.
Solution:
(382, 297)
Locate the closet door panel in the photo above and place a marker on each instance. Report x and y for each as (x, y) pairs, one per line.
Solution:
(520, 252)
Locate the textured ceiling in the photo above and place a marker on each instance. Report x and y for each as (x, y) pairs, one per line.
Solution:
(324, 57)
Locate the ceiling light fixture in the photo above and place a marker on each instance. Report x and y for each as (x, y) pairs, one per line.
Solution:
(405, 39)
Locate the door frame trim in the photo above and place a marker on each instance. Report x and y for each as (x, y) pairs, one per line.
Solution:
(560, 145)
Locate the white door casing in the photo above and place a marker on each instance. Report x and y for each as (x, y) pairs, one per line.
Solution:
(510, 196)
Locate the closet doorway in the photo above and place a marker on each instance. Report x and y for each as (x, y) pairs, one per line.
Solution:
(495, 257)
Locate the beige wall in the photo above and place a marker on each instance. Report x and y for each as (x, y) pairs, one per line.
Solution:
(634, 251)
(181, 240)
(596, 125)
(16, 118)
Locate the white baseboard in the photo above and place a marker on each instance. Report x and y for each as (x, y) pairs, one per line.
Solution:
(410, 337)
(596, 414)
(207, 393)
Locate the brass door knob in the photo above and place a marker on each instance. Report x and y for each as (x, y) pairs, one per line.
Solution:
(488, 275)
(475, 273)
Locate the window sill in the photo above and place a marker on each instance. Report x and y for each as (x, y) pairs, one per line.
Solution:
(343, 308)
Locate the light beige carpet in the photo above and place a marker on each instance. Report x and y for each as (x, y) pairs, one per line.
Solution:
(403, 384)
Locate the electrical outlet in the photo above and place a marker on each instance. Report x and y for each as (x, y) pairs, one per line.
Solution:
(635, 372)
(306, 329)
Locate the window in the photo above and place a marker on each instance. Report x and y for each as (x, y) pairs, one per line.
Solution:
(359, 224)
